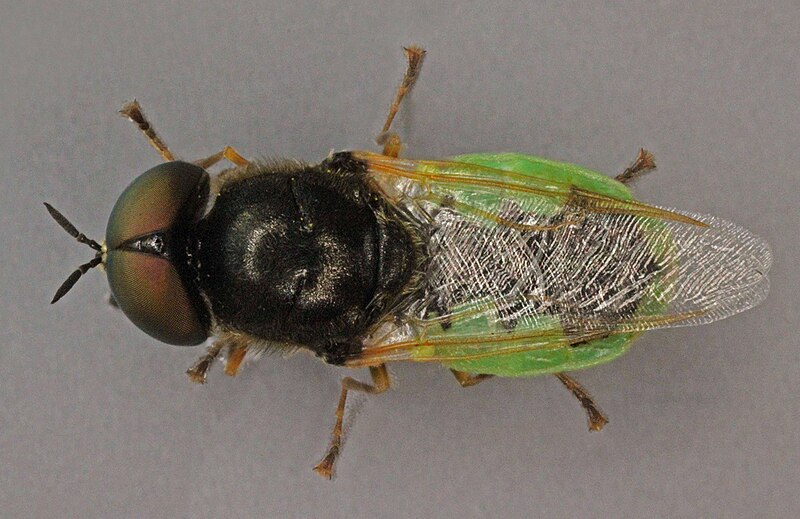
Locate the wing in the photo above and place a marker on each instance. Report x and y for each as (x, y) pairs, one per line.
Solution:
(520, 263)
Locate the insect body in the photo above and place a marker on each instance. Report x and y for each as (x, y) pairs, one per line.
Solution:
(490, 264)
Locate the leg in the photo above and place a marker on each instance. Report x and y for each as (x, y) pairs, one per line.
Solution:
(644, 162)
(391, 144)
(390, 141)
(380, 383)
(236, 353)
(133, 111)
(197, 373)
(596, 417)
(227, 153)
(468, 379)
(237, 348)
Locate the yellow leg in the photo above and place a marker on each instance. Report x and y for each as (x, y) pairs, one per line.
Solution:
(133, 111)
(380, 383)
(389, 140)
(237, 345)
(391, 144)
(236, 353)
(596, 417)
(468, 379)
(227, 153)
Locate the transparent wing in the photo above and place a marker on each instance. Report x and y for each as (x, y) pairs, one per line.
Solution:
(519, 264)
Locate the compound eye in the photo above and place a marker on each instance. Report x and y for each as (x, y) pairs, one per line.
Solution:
(161, 198)
(146, 252)
(152, 294)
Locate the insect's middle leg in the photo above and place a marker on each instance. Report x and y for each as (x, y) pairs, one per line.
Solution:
(644, 162)
(596, 417)
(380, 383)
(133, 111)
(468, 379)
(389, 140)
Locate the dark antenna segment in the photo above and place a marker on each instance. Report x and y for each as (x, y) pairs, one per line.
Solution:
(75, 276)
(67, 226)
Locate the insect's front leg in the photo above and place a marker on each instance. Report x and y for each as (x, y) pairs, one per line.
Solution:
(198, 371)
(236, 354)
(226, 153)
(237, 349)
(389, 140)
(380, 383)
(596, 417)
(133, 111)
(229, 175)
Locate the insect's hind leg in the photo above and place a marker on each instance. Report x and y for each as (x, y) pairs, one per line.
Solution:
(389, 140)
(380, 383)
(133, 111)
(468, 379)
(596, 417)
(644, 163)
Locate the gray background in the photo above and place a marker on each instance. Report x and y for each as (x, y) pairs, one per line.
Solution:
(100, 421)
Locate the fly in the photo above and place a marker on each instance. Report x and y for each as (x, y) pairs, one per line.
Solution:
(490, 264)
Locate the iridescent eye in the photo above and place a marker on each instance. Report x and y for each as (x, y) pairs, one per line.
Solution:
(167, 195)
(149, 253)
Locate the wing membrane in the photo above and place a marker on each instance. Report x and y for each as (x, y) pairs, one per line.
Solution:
(520, 263)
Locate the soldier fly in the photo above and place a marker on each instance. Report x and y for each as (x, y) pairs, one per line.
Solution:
(490, 264)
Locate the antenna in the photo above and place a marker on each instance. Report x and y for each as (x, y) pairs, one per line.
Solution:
(72, 231)
(67, 226)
